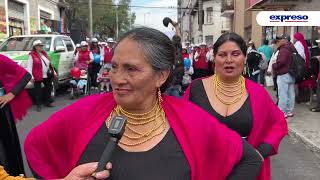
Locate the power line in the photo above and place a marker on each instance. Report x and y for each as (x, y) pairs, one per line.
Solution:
(146, 7)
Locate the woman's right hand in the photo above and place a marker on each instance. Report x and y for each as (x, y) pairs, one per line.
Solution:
(87, 172)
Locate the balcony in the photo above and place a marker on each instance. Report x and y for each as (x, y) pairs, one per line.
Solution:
(227, 8)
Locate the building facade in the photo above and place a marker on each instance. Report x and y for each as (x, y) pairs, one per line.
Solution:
(22, 17)
(239, 16)
(201, 20)
(310, 33)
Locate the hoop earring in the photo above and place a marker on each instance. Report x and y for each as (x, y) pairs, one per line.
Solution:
(159, 96)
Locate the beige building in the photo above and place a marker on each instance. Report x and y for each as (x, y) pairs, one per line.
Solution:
(206, 29)
(310, 33)
(20, 17)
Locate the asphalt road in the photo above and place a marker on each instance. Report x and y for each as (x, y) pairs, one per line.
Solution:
(294, 161)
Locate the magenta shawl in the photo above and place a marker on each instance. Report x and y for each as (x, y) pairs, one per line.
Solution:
(269, 124)
(10, 75)
(299, 37)
(54, 147)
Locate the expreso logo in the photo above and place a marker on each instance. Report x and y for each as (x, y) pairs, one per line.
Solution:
(289, 18)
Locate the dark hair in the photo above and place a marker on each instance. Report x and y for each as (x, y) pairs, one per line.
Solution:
(274, 41)
(230, 36)
(158, 49)
(253, 46)
(265, 42)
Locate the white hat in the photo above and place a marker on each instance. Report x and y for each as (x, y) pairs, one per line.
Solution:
(104, 43)
(78, 45)
(250, 42)
(37, 43)
(318, 40)
(83, 43)
(110, 40)
(203, 44)
(184, 47)
(94, 40)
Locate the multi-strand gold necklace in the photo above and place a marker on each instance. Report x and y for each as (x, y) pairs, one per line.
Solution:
(234, 92)
(155, 118)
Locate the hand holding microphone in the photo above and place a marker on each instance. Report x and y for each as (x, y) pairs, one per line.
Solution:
(115, 131)
(167, 20)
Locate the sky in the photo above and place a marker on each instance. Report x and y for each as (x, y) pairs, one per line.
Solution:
(152, 17)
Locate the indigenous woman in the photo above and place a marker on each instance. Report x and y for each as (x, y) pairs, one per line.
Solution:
(165, 137)
(14, 103)
(242, 105)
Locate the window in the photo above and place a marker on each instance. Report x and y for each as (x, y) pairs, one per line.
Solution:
(209, 15)
(24, 43)
(58, 42)
(209, 40)
(69, 44)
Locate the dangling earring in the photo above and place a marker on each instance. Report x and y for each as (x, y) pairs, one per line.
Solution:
(159, 96)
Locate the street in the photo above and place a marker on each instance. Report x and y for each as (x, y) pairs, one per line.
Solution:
(294, 161)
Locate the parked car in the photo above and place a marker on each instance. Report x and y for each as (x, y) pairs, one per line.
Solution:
(60, 49)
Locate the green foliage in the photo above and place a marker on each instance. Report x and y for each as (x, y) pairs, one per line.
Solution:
(103, 14)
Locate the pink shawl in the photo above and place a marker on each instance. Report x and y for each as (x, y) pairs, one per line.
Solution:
(10, 75)
(54, 147)
(298, 36)
(269, 124)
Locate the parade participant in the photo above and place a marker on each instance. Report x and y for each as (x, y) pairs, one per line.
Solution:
(267, 52)
(242, 105)
(107, 52)
(78, 48)
(273, 59)
(253, 60)
(39, 64)
(84, 57)
(97, 53)
(285, 81)
(189, 48)
(315, 53)
(184, 53)
(14, 103)
(200, 62)
(306, 86)
(165, 137)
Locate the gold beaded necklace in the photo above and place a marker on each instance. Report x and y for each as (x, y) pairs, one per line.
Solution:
(234, 91)
(135, 120)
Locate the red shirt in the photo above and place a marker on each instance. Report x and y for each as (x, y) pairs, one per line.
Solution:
(108, 53)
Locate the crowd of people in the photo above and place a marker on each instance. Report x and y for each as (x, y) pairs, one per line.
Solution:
(221, 100)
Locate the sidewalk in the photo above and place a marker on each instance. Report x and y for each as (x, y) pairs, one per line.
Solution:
(305, 125)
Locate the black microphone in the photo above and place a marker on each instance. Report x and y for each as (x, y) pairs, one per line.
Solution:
(166, 21)
(115, 131)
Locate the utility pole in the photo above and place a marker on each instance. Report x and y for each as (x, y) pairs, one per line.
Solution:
(130, 15)
(117, 19)
(90, 18)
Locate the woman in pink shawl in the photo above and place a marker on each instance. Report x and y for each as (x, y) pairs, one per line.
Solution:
(242, 105)
(14, 103)
(165, 137)
(309, 83)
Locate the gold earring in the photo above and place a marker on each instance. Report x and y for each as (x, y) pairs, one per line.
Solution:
(159, 96)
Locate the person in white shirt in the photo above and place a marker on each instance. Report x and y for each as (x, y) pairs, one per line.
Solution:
(38, 66)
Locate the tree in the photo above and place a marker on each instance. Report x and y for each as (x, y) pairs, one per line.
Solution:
(104, 16)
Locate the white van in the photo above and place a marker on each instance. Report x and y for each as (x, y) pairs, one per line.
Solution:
(60, 49)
